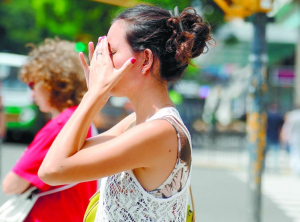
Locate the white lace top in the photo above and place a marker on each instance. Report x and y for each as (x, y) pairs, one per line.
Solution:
(124, 199)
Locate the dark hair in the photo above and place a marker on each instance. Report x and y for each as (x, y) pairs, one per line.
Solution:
(151, 27)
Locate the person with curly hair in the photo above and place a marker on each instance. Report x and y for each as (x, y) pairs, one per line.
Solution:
(145, 160)
(57, 82)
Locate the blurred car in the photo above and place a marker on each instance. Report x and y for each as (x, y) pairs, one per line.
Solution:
(22, 115)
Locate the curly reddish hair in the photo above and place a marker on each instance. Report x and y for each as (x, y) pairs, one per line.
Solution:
(56, 63)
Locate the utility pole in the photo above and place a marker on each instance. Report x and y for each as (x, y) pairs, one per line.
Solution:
(297, 73)
(257, 118)
(297, 63)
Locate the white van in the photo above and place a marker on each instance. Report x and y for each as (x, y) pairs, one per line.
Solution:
(22, 115)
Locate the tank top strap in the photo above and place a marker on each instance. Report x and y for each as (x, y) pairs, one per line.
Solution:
(172, 113)
(167, 111)
(167, 118)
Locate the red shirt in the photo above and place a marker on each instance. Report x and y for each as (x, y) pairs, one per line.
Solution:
(63, 206)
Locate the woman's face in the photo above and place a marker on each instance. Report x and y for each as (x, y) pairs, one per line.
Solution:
(120, 52)
(41, 96)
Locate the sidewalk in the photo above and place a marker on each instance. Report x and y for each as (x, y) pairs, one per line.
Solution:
(222, 196)
(220, 178)
(284, 190)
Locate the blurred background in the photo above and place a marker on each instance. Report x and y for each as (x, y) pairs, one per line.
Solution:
(213, 98)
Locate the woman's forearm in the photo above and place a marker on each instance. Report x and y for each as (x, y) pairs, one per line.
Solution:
(73, 135)
(13, 184)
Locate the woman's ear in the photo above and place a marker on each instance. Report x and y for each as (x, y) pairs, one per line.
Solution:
(147, 61)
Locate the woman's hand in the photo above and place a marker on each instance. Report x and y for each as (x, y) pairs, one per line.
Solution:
(102, 74)
(84, 64)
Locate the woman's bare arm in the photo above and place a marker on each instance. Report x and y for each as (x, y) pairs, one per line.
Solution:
(13, 184)
(143, 146)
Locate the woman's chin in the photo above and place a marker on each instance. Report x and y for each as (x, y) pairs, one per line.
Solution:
(43, 110)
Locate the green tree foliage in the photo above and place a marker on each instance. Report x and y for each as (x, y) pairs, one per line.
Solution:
(77, 20)
(31, 21)
(170, 4)
(17, 26)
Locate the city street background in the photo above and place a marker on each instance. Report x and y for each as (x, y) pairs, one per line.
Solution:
(220, 189)
(214, 97)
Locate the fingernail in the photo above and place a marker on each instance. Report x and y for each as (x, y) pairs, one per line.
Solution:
(99, 39)
(103, 37)
(133, 60)
(98, 43)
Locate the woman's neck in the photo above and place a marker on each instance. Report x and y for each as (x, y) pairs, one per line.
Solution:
(149, 101)
(54, 113)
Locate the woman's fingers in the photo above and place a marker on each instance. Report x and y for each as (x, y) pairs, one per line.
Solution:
(83, 62)
(94, 50)
(91, 50)
(85, 67)
(96, 53)
(105, 50)
(102, 52)
(102, 69)
(126, 66)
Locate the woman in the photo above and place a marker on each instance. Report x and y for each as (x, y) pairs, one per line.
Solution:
(144, 160)
(57, 85)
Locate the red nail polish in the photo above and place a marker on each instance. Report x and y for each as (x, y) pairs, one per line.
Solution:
(133, 60)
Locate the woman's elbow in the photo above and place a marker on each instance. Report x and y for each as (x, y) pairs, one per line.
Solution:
(9, 188)
(6, 189)
(49, 175)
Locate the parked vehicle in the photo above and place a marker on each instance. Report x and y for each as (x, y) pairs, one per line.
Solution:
(22, 115)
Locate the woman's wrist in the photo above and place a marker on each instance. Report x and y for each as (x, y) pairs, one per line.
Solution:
(94, 102)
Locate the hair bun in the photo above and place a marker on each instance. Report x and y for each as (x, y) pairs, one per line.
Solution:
(151, 27)
(193, 40)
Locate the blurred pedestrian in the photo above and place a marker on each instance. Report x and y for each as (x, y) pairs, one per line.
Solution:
(146, 158)
(291, 135)
(2, 120)
(57, 84)
(274, 126)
